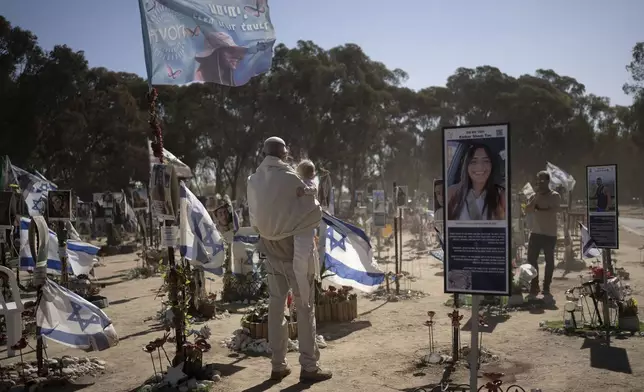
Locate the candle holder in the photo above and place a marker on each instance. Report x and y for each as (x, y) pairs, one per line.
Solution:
(430, 324)
(456, 333)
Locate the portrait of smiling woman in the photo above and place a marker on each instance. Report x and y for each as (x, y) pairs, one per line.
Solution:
(477, 196)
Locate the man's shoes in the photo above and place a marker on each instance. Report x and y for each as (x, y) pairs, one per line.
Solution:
(314, 376)
(279, 375)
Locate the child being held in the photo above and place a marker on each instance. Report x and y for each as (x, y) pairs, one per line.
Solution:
(306, 171)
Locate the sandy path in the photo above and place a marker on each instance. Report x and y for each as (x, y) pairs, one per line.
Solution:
(375, 352)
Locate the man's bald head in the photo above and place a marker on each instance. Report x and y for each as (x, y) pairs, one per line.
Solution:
(275, 147)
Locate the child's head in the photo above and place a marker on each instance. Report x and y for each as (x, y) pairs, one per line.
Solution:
(306, 169)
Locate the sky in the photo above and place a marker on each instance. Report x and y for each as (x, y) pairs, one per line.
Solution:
(590, 40)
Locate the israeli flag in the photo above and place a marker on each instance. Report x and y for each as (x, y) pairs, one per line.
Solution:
(27, 262)
(81, 256)
(245, 255)
(559, 177)
(34, 189)
(68, 319)
(589, 249)
(199, 240)
(348, 255)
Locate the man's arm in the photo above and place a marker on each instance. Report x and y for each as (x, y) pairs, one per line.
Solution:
(532, 203)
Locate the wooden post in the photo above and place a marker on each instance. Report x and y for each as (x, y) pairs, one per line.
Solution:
(400, 241)
(396, 243)
(456, 333)
(474, 344)
(606, 264)
(62, 244)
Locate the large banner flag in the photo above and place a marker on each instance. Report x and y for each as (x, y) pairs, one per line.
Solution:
(349, 257)
(206, 40)
(27, 262)
(199, 240)
(559, 177)
(589, 249)
(67, 318)
(34, 189)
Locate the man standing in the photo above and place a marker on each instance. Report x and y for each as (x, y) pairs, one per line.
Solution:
(544, 206)
(277, 214)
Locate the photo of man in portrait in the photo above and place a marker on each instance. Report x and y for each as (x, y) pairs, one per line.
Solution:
(59, 205)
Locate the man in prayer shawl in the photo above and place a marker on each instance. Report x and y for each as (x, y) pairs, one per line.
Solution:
(277, 214)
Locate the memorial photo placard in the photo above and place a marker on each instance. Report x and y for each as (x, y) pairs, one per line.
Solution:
(59, 206)
(602, 207)
(477, 220)
(379, 208)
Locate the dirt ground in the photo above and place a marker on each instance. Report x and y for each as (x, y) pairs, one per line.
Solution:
(377, 351)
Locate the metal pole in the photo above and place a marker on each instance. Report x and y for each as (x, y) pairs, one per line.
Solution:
(400, 231)
(606, 259)
(474, 344)
(396, 243)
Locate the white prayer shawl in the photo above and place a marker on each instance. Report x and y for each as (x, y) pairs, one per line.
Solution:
(275, 210)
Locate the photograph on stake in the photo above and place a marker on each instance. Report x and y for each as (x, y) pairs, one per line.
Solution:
(59, 205)
(602, 206)
(379, 208)
(476, 224)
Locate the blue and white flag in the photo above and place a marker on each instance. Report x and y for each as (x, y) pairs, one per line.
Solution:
(245, 255)
(589, 249)
(348, 255)
(199, 240)
(189, 41)
(27, 262)
(69, 319)
(81, 256)
(34, 189)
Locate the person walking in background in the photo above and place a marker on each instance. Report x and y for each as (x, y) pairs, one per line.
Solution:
(544, 206)
(278, 215)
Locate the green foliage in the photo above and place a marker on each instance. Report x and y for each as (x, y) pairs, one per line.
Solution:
(86, 128)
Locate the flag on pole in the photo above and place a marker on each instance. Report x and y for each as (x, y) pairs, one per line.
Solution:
(199, 240)
(589, 249)
(349, 257)
(245, 256)
(27, 262)
(559, 177)
(34, 189)
(188, 41)
(69, 319)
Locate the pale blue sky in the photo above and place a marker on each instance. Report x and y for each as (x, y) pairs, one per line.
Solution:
(590, 40)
